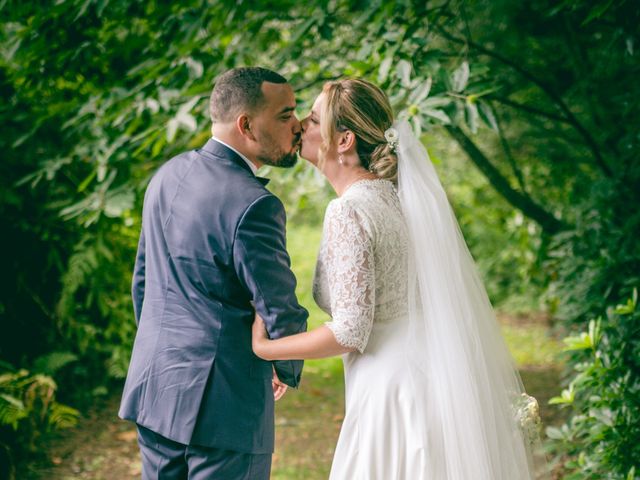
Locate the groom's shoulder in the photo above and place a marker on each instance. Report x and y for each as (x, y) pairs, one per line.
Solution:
(176, 168)
(240, 190)
(215, 180)
(221, 172)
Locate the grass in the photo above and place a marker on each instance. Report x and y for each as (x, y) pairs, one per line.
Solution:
(308, 420)
(529, 342)
(303, 243)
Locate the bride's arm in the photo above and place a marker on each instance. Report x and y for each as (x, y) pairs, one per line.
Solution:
(350, 262)
(317, 343)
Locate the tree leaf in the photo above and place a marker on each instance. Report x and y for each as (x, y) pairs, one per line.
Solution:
(188, 121)
(471, 116)
(117, 204)
(460, 77)
(438, 115)
(385, 67)
(172, 128)
(403, 70)
(487, 115)
(421, 92)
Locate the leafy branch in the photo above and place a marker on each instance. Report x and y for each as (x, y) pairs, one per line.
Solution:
(520, 200)
(569, 117)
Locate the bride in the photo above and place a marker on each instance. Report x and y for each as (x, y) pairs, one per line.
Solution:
(431, 390)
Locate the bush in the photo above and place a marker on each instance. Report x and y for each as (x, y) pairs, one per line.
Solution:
(28, 408)
(601, 440)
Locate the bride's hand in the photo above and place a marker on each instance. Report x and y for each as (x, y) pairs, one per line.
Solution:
(259, 340)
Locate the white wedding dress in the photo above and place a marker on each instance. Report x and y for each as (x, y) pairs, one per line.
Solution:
(361, 282)
(396, 426)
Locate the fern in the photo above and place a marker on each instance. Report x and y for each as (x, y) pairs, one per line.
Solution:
(81, 266)
(28, 406)
(53, 362)
(62, 416)
(12, 410)
(118, 364)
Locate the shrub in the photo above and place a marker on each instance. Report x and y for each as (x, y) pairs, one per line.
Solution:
(28, 408)
(601, 439)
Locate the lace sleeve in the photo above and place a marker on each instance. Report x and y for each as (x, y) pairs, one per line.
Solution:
(349, 260)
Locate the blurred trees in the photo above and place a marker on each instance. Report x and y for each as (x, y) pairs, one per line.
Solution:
(540, 96)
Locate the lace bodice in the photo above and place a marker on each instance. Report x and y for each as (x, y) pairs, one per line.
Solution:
(361, 273)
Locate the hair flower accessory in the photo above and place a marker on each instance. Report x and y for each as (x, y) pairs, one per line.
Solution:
(391, 135)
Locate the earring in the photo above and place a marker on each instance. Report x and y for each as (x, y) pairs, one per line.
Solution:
(340, 159)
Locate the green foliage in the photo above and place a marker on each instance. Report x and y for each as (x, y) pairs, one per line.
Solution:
(602, 438)
(94, 310)
(595, 264)
(28, 407)
(598, 261)
(506, 245)
(53, 362)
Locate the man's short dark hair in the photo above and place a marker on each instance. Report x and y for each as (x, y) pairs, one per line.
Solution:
(239, 90)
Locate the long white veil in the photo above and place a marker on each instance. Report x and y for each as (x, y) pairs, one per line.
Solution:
(474, 423)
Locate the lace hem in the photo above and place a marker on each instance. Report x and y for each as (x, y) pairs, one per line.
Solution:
(345, 337)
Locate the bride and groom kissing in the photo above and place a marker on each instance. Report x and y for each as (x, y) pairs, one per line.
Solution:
(430, 385)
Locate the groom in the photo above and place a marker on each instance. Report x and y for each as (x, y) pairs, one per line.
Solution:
(212, 247)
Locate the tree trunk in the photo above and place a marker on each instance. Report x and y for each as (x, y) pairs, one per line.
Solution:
(522, 202)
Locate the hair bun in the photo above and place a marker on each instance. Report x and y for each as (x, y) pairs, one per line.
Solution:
(384, 162)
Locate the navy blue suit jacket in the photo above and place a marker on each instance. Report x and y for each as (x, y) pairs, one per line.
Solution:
(212, 243)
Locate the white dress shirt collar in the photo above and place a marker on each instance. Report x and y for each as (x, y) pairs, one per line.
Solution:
(253, 168)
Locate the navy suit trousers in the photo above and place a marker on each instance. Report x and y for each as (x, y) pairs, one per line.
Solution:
(164, 459)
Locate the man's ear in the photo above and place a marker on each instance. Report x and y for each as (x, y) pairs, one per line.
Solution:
(347, 141)
(243, 124)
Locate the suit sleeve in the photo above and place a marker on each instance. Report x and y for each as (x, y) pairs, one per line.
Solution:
(137, 287)
(264, 268)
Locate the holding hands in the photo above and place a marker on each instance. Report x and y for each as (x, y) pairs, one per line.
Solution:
(259, 341)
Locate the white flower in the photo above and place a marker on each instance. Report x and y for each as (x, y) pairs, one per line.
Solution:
(391, 135)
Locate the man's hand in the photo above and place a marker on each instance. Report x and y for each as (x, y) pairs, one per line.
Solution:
(279, 388)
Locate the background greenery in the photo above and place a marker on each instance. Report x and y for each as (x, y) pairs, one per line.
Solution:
(529, 109)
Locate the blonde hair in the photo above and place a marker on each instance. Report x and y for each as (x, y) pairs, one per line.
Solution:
(360, 106)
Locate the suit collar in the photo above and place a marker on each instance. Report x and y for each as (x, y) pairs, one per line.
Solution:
(253, 168)
(218, 149)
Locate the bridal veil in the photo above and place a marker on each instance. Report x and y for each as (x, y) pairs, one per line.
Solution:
(478, 422)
